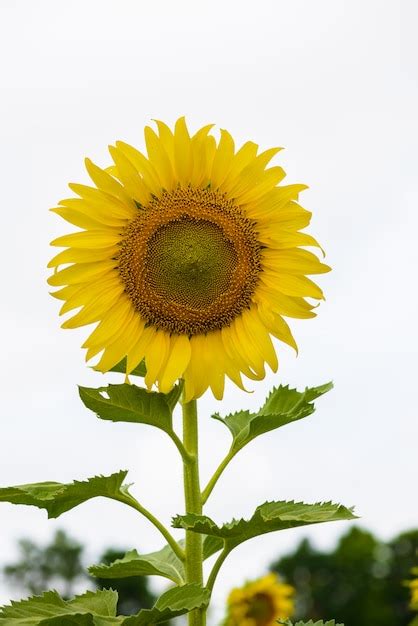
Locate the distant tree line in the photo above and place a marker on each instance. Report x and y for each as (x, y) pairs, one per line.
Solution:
(359, 583)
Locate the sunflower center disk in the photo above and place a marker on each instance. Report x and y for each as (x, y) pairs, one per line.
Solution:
(190, 261)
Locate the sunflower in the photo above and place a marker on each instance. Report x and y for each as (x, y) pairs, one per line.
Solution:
(260, 603)
(188, 258)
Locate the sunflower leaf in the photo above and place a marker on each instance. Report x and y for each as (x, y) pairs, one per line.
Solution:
(162, 563)
(282, 407)
(267, 517)
(310, 623)
(57, 498)
(174, 602)
(90, 609)
(129, 403)
(120, 367)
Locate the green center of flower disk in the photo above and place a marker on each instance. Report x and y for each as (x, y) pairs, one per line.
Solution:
(190, 261)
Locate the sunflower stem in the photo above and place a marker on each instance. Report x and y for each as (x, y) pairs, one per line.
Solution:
(219, 471)
(132, 502)
(193, 502)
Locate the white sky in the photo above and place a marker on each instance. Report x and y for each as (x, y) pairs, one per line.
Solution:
(328, 80)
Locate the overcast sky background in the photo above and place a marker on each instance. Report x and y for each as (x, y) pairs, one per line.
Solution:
(330, 81)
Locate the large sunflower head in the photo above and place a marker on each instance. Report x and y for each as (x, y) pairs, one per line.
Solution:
(260, 603)
(188, 257)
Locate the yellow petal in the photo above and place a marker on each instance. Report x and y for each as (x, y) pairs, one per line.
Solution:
(177, 362)
(245, 155)
(78, 218)
(283, 239)
(129, 176)
(270, 206)
(285, 305)
(143, 166)
(138, 350)
(270, 179)
(166, 138)
(108, 207)
(92, 312)
(232, 349)
(260, 337)
(89, 239)
(252, 173)
(200, 151)
(80, 272)
(119, 348)
(294, 261)
(292, 285)
(156, 357)
(107, 183)
(159, 158)
(113, 324)
(92, 291)
(278, 327)
(182, 152)
(81, 255)
(248, 348)
(222, 160)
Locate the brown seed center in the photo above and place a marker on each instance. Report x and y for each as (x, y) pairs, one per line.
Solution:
(190, 261)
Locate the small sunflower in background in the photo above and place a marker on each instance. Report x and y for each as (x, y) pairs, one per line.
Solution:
(260, 603)
(188, 258)
(413, 587)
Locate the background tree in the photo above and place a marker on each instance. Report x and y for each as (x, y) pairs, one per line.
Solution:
(38, 568)
(60, 565)
(359, 583)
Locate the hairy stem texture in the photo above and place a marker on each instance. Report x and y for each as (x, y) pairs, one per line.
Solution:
(193, 502)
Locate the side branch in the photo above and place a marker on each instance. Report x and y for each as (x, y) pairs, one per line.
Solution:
(217, 566)
(132, 502)
(219, 471)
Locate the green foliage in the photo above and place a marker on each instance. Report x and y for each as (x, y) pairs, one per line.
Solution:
(38, 567)
(359, 582)
(129, 403)
(99, 609)
(173, 603)
(57, 498)
(162, 563)
(282, 407)
(267, 517)
(89, 609)
(133, 591)
(310, 623)
(120, 367)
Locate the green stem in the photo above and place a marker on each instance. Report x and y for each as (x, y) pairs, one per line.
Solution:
(211, 484)
(217, 566)
(179, 445)
(132, 502)
(193, 501)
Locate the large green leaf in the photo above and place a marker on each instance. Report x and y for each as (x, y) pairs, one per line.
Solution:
(99, 609)
(267, 517)
(120, 367)
(162, 563)
(129, 403)
(89, 609)
(282, 407)
(57, 498)
(174, 602)
(310, 623)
